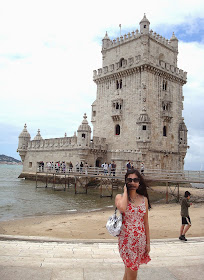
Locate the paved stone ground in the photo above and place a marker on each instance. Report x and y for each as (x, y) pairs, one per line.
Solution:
(47, 259)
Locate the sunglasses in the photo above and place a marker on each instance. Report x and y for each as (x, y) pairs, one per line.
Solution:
(130, 180)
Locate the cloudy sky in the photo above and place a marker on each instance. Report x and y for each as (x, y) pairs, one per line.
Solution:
(49, 49)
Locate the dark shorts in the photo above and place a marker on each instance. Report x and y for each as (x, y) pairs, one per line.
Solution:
(186, 220)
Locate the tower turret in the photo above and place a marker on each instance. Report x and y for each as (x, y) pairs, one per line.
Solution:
(24, 138)
(144, 130)
(84, 133)
(144, 25)
(174, 42)
(183, 134)
(105, 41)
(38, 136)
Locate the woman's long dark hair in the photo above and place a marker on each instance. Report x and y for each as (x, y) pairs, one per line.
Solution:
(142, 187)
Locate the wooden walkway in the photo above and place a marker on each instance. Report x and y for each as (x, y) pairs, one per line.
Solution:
(107, 182)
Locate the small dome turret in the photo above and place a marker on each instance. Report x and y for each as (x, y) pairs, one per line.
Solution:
(23, 140)
(24, 133)
(174, 41)
(105, 41)
(144, 25)
(182, 133)
(84, 133)
(38, 136)
(84, 125)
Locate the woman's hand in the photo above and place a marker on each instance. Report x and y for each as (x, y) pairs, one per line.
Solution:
(147, 249)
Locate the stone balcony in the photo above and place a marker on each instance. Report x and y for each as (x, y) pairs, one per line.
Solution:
(117, 114)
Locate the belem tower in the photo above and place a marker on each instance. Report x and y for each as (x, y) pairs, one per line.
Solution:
(137, 114)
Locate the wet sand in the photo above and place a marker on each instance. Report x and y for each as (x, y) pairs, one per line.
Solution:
(164, 221)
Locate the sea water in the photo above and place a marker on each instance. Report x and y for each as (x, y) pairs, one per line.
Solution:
(20, 198)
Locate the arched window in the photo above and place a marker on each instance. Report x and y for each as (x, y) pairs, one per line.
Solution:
(117, 129)
(121, 83)
(164, 131)
(121, 62)
(117, 84)
(83, 135)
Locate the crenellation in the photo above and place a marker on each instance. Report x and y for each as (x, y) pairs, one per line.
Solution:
(131, 63)
(52, 143)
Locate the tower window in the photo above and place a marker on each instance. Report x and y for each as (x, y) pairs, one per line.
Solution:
(119, 84)
(83, 135)
(117, 130)
(121, 62)
(144, 127)
(145, 26)
(165, 85)
(164, 131)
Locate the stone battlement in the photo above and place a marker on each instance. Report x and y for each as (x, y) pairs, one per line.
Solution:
(135, 35)
(65, 143)
(137, 61)
(53, 143)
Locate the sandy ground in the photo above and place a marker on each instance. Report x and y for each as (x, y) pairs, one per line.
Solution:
(164, 220)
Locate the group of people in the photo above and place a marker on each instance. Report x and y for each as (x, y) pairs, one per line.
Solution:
(109, 168)
(134, 238)
(62, 167)
(130, 165)
(82, 168)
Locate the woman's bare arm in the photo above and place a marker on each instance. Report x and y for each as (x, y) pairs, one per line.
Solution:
(121, 201)
(146, 224)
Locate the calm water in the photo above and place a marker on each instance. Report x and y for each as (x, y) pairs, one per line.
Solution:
(20, 198)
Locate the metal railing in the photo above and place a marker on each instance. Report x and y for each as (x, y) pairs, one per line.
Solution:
(151, 174)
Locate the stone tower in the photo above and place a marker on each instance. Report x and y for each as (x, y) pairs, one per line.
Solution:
(23, 140)
(139, 101)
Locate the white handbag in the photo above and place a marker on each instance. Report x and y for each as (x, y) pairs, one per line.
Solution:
(114, 224)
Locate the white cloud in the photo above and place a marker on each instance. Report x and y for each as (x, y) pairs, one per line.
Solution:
(49, 49)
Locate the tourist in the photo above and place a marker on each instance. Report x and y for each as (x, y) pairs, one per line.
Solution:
(48, 166)
(63, 167)
(128, 165)
(70, 166)
(185, 219)
(142, 168)
(81, 167)
(113, 168)
(105, 168)
(109, 168)
(134, 238)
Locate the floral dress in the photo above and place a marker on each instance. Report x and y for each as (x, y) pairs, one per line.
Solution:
(132, 238)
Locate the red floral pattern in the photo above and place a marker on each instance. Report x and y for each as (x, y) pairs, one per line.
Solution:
(132, 238)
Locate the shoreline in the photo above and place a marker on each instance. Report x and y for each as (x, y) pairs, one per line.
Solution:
(164, 221)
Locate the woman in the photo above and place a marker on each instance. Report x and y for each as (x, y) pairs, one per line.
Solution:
(134, 238)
